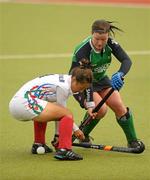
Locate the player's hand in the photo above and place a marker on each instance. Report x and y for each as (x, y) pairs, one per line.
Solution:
(79, 134)
(117, 80)
(93, 115)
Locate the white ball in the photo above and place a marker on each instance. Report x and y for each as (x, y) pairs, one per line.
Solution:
(40, 150)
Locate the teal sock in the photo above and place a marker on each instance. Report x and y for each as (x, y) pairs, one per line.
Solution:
(126, 123)
(88, 128)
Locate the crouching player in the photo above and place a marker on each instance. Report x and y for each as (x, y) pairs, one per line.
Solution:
(44, 98)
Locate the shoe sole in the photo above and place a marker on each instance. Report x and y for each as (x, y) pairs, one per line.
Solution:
(67, 159)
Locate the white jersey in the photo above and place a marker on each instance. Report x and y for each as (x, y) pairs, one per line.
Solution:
(51, 88)
(32, 97)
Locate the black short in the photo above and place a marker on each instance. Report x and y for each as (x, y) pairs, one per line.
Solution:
(104, 83)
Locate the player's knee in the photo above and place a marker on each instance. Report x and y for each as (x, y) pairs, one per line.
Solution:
(69, 113)
(125, 116)
(69, 116)
(120, 111)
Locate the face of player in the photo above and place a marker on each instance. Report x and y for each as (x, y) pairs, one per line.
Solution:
(99, 40)
(78, 87)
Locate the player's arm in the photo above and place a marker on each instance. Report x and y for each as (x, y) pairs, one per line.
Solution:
(124, 59)
(121, 56)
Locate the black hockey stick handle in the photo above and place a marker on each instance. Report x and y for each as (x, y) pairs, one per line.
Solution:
(96, 109)
(108, 148)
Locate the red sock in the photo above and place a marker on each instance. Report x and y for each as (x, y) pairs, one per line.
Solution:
(65, 133)
(39, 132)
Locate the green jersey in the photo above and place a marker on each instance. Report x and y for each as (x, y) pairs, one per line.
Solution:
(100, 61)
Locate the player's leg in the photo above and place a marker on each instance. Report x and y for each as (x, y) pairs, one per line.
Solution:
(101, 113)
(40, 123)
(55, 112)
(39, 137)
(39, 132)
(20, 109)
(125, 119)
(42, 111)
(52, 112)
(64, 151)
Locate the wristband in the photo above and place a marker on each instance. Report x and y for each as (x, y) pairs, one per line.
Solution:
(75, 127)
(90, 104)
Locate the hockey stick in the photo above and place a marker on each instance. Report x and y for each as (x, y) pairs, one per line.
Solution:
(109, 148)
(96, 109)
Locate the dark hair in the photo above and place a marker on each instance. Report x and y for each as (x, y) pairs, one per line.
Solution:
(83, 73)
(103, 26)
(85, 63)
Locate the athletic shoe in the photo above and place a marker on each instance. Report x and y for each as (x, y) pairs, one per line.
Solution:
(36, 145)
(55, 142)
(88, 140)
(139, 145)
(63, 154)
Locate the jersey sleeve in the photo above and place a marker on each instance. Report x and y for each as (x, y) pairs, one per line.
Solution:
(82, 52)
(120, 55)
(89, 98)
(61, 96)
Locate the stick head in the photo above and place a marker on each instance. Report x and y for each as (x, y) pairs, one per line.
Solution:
(139, 149)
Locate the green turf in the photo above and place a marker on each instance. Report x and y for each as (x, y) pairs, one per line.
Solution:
(42, 29)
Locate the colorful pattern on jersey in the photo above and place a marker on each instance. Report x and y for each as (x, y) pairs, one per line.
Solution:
(38, 92)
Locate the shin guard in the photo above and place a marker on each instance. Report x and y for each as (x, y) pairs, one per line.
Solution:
(126, 123)
(39, 132)
(65, 133)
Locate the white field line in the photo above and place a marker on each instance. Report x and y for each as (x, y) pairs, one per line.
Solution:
(35, 56)
(63, 55)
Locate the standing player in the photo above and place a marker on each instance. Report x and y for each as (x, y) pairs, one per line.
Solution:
(44, 98)
(98, 49)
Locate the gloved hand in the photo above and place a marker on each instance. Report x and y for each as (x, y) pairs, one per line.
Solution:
(117, 80)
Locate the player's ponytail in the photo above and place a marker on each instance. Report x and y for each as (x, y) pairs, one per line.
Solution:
(85, 64)
(83, 73)
(103, 26)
